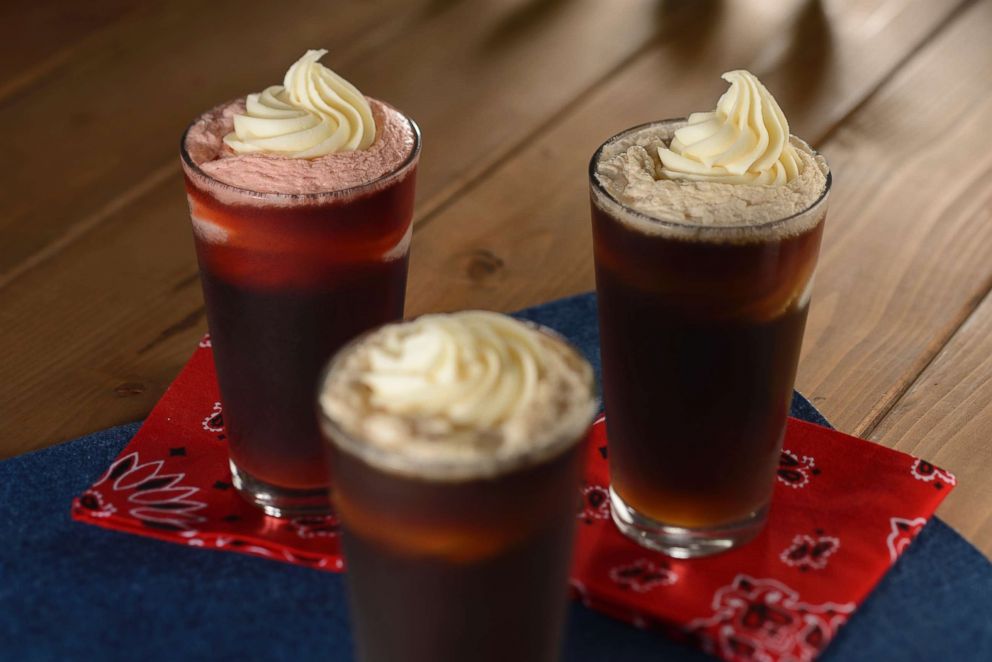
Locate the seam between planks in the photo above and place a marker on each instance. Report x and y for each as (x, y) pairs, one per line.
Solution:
(80, 228)
(444, 199)
(884, 80)
(39, 72)
(894, 396)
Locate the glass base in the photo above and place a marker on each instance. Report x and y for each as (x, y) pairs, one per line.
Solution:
(679, 542)
(280, 501)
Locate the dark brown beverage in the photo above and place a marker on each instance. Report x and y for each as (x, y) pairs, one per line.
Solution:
(702, 369)
(276, 316)
(700, 331)
(459, 551)
(472, 570)
(287, 280)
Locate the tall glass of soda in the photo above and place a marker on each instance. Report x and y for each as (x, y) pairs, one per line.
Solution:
(456, 458)
(301, 199)
(706, 232)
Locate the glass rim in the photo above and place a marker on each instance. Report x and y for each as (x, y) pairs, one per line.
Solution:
(400, 170)
(702, 228)
(441, 471)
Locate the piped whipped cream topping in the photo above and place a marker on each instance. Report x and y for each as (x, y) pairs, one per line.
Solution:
(264, 172)
(744, 141)
(475, 370)
(736, 167)
(459, 395)
(313, 113)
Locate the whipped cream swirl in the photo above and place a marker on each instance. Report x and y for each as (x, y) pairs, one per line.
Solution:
(744, 141)
(456, 396)
(313, 113)
(475, 369)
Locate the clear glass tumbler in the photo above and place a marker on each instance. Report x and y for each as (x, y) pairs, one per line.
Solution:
(287, 280)
(473, 567)
(700, 331)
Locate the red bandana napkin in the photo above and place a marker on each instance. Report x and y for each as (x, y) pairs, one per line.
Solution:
(836, 526)
(843, 511)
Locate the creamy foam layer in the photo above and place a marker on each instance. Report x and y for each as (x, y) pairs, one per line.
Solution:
(275, 173)
(629, 170)
(313, 113)
(744, 141)
(457, 396)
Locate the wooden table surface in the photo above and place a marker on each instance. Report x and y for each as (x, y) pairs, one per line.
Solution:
(100, 304)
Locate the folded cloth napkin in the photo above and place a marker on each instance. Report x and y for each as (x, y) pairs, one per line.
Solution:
(842, 512)
(173, 482)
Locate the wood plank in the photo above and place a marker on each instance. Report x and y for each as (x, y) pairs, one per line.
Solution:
(476, 77)
(42, 35)
(946, 417)
(905, 256)
(77, 342)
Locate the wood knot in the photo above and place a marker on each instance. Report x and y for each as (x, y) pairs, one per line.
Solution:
(129, 388)
(482, 263)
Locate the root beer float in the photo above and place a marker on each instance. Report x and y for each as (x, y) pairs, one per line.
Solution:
(301, 198)
(456, 462)
(706, 233)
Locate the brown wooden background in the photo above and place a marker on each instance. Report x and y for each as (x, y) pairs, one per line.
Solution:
(99, 300)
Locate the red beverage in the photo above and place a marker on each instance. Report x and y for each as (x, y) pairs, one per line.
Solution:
(700, 330)
(288, 278)
(457, 522)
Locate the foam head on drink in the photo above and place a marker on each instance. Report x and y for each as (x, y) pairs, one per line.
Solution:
(301, 198)
(316, 133)
(706, 232)
(459, 396)
(735, 167)
(456, 463)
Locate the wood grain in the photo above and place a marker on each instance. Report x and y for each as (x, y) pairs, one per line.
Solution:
(91, 334)
(946, 417)
(941, 409)
(906, 252)
(42, 35)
